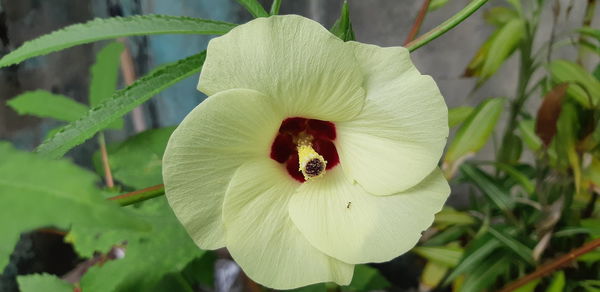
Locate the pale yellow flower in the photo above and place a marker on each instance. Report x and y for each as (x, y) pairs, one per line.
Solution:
(310, 154)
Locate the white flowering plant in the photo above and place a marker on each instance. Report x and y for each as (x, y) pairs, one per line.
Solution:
(313, 159)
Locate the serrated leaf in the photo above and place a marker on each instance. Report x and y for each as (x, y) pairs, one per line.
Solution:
(105, 73)
(475, 131)
(520, 249)
(443, 255)
(254, 7)
(342, 27)
(43, 282)
(584, 87)
(458, 115)
(502, 46)
(121, 103)
(149, 256)
(478, 250)
(137, 162)
(367, 278)
(527, 130)
(37, 192)
(491, 189)
(43, 104)
(110, 28)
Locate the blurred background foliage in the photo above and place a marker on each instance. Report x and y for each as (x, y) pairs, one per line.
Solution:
(526, 211)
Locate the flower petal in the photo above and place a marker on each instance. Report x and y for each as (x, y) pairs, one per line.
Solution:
(308, 71)
(203, 153)
(399, 137)
(262, 238)
(344, 221)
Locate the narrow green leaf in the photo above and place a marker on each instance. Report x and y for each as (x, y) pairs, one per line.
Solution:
(447, 235)
(529, 287)
(527, 131)
(342, 27)
(488, 186)
(478, 250)
(517, 175)
(436, 4)
(366, 279)
(584, 87)
(102, 29)
(105, 73)
(482, 277)
(476, 130)
(449, 216)
(566, 139)
(37, 192)
(500, 15)
(255, 8)
(520, 249)
(121, 103)
(586, 30)
(43, 282)
(558, 282)
(503, 45)
(275, 7)
(458, 115)
(443, 255)
(43, 104)
(432, 275)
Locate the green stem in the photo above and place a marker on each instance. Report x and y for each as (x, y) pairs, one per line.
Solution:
(446, 25)
(139, 195)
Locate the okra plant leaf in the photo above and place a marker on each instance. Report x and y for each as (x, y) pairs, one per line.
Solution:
(110, 28)
(43, 282)
(43, 104)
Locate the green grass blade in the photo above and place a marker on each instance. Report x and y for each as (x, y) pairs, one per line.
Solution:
(254, 8)
(110, 28)
(121, 103)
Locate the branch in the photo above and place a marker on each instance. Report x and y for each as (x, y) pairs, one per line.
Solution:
(418, 22)
(446, 25)
(554, 265)
(139, 195)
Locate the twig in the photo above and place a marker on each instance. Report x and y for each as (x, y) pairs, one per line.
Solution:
(446, 25)
(108, 178)
(139, 195)
(128, 71)
(554, 265)
(418, 22)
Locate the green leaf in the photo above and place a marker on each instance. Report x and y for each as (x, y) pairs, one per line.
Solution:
(449, 216)
(311, 288)
(367, 278)
(488, 186)
(275, 7)
(342, 27)
(105, 73)
(43, 104)
(432, 275)
(520, 249)
(447, 235)
(43, 282)
(137, 162)
(584, 87)
(37, 192)
(254, 8)
(527, 130)
(121, 103)
(500, 15)
(478, 250)
(588, 31)
(110, 28)
(558, 282)
(149, 256)
(503, 45)
(444, 255)
(517, 175)
(458, 115)
(476, 130)
(436, 4)
(529, 287)
(567, 129)
(486, 273)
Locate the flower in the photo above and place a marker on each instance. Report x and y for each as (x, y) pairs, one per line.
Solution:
(310, 154)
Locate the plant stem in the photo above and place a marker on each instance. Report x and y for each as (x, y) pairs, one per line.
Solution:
(128, 71)
(446, 25)
(418, 22)
(108, 178)
(139, 195)
(554, 265)
(587, 21)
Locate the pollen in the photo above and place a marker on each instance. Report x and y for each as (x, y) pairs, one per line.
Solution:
(310, 163)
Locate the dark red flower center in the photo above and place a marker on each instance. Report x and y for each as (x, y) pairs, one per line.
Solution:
(284, 147)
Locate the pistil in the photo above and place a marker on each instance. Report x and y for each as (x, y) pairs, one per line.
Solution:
(311, 163)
